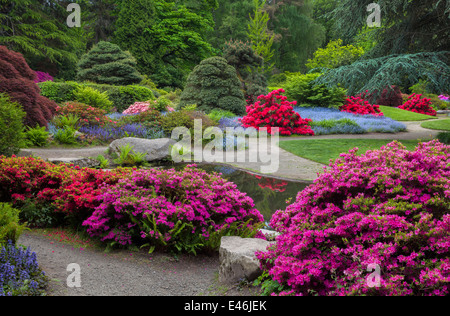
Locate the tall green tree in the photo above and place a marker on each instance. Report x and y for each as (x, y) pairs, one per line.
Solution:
(167, 39)
(38, 30)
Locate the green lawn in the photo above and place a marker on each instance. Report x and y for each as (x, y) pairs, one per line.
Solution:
(442, 125)
(402, 115)
(322, 150)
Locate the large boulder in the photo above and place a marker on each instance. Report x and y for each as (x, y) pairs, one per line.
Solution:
(237, 258)
(156, 149)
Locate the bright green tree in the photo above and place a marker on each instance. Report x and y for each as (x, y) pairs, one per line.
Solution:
(335, 55)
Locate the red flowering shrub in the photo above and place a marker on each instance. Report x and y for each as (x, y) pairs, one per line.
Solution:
(267, 112)
(418, 104)
(17, 80)
(88, 115)
(357, 105)
(388, 207)
(69, 189)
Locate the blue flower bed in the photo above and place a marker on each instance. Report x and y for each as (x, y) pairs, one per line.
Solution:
(129, 130)
(20, 274)
(363, 123)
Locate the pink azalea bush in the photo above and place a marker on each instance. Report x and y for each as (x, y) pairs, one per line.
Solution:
(185, 210)
(388, 207)
(137, 107)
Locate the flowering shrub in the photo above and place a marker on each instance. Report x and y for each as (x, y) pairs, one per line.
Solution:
(267, 112)
(137, 107)
(87, 114)
(71, 191)
(418, 104)
(42, 77)
(20, 274)
(358, 105)
(388, 207)
(187, 210)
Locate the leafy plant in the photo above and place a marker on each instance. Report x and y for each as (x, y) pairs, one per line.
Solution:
(66, 135)
(10, 227)
(104, 163)
(335, 55)
(71, 120)
(37, 214)
(12, 135)
(128, 157)
(93, 97)
(36, 136)
(444, 137)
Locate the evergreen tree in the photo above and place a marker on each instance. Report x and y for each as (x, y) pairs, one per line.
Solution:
(214, 84)
(106, 63)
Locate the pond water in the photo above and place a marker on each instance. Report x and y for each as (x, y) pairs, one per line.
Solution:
(269, 194)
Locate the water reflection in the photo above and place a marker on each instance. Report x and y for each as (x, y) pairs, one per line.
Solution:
(269, 194)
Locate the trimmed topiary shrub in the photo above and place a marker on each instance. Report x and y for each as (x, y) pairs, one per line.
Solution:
(17, 80)
(214, 84)
(107, 63)
(388, 207)
(11, 126)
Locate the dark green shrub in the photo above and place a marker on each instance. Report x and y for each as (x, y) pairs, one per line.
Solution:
(107, 63)
(185, 118)
(302, 89)
(39, 215)
(444, 137)
(12, 135)
(10, 228)
(214, 84)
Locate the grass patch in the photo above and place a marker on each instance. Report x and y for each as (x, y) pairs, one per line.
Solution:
(404, 116)
(441, 125)
(323, 150)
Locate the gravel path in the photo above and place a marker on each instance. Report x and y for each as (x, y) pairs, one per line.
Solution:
(125, 273)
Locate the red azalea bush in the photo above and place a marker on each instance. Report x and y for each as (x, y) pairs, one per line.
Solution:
(89, 116)
(17, 80)
(388, 207)
(358, 105)
(267, 112)
(70, 190)
(418, 104)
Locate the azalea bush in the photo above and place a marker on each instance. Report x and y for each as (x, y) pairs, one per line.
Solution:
(137, 107)
(187, 210)
(417, 104)
(42, 77)
(388, 207)
(88, 115)
(273, 110)
(357, 105)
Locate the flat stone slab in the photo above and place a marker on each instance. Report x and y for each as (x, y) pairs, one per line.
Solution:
(238, 260)
(80, 162)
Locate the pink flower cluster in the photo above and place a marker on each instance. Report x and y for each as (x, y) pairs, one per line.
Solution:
(137, 107)
(170, 208)
(389, 207)
(42, 77)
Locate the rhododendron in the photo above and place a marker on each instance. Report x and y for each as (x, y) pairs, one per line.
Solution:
(267, 112)
(417, 104)
(388, 207)
(357, 105)
(42, 77)
(137, 107)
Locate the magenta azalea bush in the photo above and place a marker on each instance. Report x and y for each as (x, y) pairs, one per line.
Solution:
(389, 207)
(187, 210)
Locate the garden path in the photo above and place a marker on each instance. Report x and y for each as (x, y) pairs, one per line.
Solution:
(290, 165)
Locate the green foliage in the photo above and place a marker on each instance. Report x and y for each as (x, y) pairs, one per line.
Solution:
(10, 228)
(106, 63)
(36, 214)
(71, 120)
(104, 163)
(166, 38)
(249, 66)
(162, 103)
(444, 137)
(302, 89)
(93, 97)
(376, 74)
(259, 35)
(214, 84)
(59, 91)
(335, 55)
(128, 157)
(66, 136)
(217, 114)
(36, 136)
(12, 135)
(176, 119)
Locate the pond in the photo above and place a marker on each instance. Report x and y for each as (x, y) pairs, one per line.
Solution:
(269, 194)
